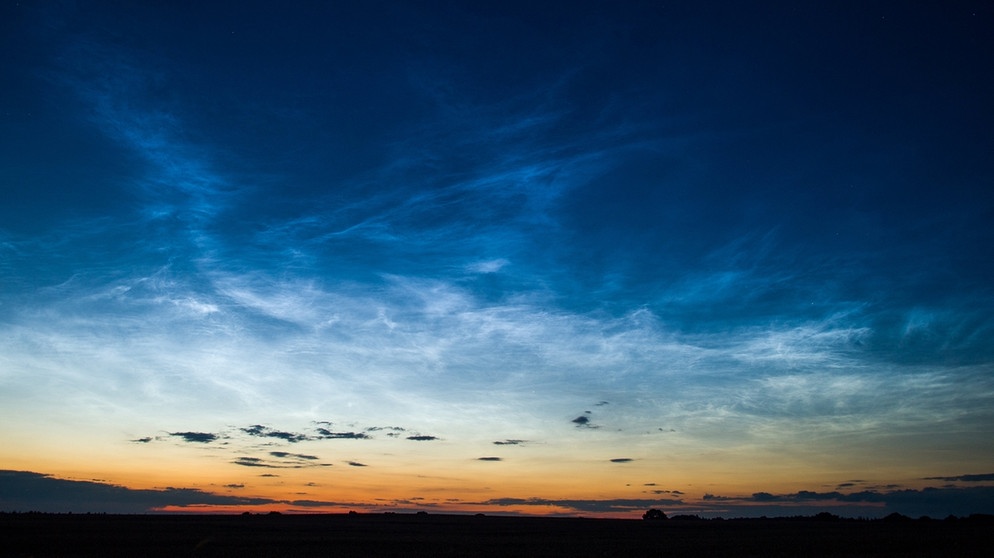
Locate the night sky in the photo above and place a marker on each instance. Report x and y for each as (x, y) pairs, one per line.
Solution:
(580, 258)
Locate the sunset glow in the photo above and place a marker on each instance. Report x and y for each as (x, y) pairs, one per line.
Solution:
(582, 258)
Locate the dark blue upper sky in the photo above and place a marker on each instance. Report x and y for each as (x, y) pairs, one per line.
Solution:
(748, 180)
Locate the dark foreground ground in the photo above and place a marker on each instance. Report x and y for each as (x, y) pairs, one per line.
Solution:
(447, 535)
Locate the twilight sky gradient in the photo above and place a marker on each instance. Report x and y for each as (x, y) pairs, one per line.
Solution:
(580, 258)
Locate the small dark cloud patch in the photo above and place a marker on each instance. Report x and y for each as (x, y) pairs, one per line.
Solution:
(144, 440)
(390, 428)
(422, 438)
(983, 477)
(234, 486)
(287, 455)
(356, 464)
(489, 459)
(583, 421)
(325, 434)
(198, 437)
(649, 484)
(266, 432)
(622, 460)
(269, 475)
(510, 442)
(602, 403)
(846, 485)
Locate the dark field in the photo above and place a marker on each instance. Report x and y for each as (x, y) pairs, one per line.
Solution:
(452, 535)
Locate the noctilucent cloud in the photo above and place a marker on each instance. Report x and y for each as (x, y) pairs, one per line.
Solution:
(579, 258)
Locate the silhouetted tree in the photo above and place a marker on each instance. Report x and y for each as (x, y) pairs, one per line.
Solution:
(653, 515)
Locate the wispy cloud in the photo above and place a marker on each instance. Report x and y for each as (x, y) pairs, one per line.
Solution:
(326, 434)
(982, 477)
(510, 442)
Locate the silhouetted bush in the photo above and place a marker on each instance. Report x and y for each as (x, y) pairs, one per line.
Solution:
(654, 515)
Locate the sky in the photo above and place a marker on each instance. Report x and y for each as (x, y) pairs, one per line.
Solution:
(551, 258)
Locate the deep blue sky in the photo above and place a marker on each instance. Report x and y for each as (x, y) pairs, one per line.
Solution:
(726, 221)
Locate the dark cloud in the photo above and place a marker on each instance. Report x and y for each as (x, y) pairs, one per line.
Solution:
(324, 503)
(289, 461)
(200, 437)
(489, 459)
(29, 491)
(602, 403)
(144, 440)
(612, 505)
(581, 420)
(256, 462)
(285, 455)
(983, 477)
(622, 460)
(391, 428)
(266, 432)
(510, 442)
(325, 434)
(356, 464)
(422, 438)
(933, 502)
(234, 486)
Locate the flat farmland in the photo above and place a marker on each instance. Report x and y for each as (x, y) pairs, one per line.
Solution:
(366, 535)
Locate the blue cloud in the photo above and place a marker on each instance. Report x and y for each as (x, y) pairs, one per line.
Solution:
(492, 239)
